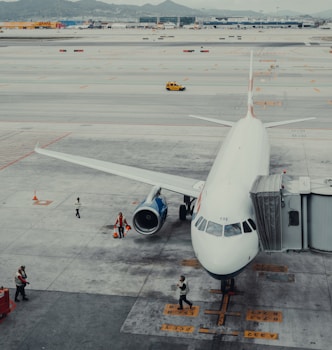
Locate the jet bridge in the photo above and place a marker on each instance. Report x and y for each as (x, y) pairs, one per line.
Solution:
(293, 213)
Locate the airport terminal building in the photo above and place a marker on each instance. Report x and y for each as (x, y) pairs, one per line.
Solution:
(168, 22)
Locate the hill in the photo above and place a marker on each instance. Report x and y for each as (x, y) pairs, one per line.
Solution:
(25, 10)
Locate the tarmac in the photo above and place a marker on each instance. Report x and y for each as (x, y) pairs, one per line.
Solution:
(108, 101)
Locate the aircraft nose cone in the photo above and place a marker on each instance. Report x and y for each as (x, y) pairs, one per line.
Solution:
(224, 256)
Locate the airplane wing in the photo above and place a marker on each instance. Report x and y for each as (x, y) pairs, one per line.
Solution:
(272, 124)
(174, 183)
(217, 121)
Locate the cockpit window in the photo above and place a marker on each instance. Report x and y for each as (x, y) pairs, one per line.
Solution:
(198, 221)
(214, 229)
(202, 225)
(233, 230)
(252, 223)
(246, 227)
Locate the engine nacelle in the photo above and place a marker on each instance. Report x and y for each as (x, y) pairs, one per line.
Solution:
(150, 215)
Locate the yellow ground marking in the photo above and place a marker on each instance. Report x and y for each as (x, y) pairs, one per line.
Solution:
(267, 60)
(172, 309)
(317, 90)
(42, 202)
(270, 268)
(277, 277)
(264, 316)
(207, 331)
(175, 328)
(261, 335)
(191, 262)
(222, 313)
(215, 291)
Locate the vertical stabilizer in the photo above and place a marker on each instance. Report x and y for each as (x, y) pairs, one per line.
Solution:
(250, 89)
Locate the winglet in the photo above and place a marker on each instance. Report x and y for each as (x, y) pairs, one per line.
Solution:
(251, 88)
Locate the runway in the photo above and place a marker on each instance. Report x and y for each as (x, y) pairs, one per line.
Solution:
(108, 101)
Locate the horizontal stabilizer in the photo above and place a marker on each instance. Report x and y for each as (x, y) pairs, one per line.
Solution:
(285, 122)
(217, 121)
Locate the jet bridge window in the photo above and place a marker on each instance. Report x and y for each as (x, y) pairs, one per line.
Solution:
(214, 229)
(233, 230)
(294, 218)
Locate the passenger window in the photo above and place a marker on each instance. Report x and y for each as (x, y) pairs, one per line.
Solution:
(233, 230)
(202, 225)
(252, 223)
(246, 227)
(214, 229)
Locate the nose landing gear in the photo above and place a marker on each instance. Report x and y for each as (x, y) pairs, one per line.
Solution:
(227, 286)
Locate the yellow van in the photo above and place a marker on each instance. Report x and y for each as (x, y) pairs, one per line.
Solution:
(174, 86)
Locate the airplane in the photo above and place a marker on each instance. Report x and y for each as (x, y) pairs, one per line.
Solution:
(223, 230)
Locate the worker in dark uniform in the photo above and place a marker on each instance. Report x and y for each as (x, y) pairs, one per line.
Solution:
(78, 207)
(184, 290)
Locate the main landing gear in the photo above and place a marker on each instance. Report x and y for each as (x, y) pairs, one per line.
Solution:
(187, 208)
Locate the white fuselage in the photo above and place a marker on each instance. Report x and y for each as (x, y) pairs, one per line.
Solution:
(225, 201)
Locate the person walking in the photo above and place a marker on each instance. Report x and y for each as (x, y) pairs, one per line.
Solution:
(21, 282)
(77, 207)
(120, 223)
(184, 290)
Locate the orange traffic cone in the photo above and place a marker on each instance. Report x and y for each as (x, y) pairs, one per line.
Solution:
(35, 197)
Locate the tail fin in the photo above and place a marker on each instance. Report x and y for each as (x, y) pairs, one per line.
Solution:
(250, 112)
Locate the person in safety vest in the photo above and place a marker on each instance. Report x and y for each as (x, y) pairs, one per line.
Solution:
(184, 290)
(120, 224)
(21, 282)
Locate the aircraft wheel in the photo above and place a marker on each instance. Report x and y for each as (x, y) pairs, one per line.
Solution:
(183, 212)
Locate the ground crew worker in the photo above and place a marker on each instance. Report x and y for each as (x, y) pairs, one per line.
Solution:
(77, 207)
(120, 223)
(21, 282)
(184, 290)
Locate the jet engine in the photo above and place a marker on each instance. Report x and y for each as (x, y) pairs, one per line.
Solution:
(150, 215)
